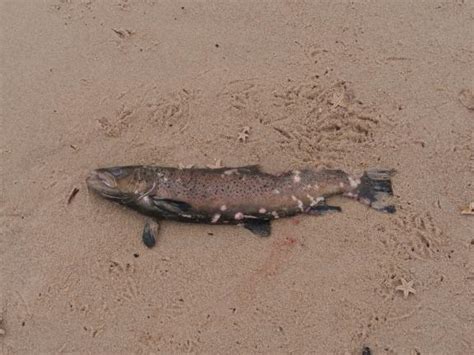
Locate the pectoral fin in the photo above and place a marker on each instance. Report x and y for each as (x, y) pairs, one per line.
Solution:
(169, 206)
(259, 227)
(149, 233)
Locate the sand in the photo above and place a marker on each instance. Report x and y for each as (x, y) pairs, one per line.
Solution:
(353, 85)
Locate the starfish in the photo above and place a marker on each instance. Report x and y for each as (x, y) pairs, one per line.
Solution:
(406, 288)
(242, 137)
(469, 210)
(243, 134)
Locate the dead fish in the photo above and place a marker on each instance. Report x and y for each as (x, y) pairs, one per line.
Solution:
(245, 196)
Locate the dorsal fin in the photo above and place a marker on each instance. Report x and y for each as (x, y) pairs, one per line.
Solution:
(249, 169)
(246, 169)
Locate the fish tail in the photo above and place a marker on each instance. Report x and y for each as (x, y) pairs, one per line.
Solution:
(374, 188)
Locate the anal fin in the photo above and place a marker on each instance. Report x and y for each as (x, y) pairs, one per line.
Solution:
(260, 227)
(323, 209)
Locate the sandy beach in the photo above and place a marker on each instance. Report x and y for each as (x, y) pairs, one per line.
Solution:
(339, 84)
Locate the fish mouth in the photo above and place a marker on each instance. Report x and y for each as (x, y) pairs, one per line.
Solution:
(103, 182)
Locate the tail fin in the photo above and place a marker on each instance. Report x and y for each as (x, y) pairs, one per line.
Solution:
(375, 186)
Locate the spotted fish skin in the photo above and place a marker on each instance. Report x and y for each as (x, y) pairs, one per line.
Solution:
(235, 195)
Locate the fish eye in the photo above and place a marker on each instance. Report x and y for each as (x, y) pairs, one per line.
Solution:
(116, 172)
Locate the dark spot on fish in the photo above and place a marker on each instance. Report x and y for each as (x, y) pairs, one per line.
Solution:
(217, 45)
(136, 255)
(366, 351)
(210, 233)
(148, 236)
(23, 324)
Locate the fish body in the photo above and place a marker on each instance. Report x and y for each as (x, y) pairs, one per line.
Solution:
(236, 195)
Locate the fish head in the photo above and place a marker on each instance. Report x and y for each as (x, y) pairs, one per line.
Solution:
(123, 184)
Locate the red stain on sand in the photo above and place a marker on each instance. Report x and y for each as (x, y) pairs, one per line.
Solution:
(281, 252)
(289, 241)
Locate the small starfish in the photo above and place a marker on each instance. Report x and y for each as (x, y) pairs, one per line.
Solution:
(242, 137)
(244, 134)
(469, 209)
(217, 165)
(406, 287)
